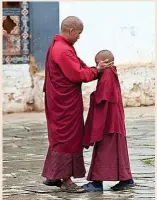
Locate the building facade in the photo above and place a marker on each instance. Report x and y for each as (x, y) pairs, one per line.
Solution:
(28, 28)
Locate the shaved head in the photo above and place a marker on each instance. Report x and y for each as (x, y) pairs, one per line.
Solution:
(104, 55)
(71, 22)
(71, 28)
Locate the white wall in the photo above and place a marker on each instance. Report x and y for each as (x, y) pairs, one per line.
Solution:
(17, 85)
(125, 28)
(22, 91)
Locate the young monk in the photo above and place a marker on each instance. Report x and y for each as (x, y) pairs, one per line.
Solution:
(105, 126)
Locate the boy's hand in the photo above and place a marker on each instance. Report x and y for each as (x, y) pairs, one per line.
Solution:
(103, 64)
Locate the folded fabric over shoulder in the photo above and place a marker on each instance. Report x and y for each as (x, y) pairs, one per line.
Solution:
(107, 87)
(106, 113)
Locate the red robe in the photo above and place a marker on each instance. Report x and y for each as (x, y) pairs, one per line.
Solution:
(105, 126)
(65, 72)
(106, 113)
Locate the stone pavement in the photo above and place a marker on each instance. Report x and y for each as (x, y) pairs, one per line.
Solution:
(25, 146)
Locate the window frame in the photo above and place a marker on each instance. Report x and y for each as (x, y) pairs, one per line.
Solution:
(23, 12)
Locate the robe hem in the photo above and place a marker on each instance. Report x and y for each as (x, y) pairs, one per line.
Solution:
(61, 177)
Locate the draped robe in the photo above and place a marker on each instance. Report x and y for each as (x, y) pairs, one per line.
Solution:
(64, 74)
(105, 127)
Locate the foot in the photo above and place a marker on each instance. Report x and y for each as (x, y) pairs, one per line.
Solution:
(91, 187)
(123, 185)
(72, 188)
(56, 183)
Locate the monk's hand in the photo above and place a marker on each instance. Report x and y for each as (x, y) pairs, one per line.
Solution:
(104, 64)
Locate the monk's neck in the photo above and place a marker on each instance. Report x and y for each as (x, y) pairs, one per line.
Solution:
(64, 35)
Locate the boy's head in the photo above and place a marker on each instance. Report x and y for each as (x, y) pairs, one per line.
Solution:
(104, 55)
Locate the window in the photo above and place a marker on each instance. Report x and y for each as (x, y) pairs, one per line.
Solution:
(16, 32)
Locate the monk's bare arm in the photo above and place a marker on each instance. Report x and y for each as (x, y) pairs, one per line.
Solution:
(71, 67)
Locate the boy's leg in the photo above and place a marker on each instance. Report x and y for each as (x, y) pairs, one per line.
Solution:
(110, 162)
(104, 163)
(125, 176)
(95, 185)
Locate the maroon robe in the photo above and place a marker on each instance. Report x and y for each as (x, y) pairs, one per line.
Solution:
(110, 159)
(105, 126)
(106, 113)
(65, 72)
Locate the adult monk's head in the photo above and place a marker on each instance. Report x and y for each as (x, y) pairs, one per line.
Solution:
(104, 55)
(71, 28)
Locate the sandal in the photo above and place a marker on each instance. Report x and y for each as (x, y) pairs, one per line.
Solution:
(73, 188)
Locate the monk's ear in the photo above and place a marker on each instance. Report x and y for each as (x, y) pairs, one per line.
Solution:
(71, 31)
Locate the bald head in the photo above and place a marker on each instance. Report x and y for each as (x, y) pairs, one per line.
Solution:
(71, 22)
(104, 55)
(71, 28)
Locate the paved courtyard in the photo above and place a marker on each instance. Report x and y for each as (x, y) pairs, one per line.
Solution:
(25, 146)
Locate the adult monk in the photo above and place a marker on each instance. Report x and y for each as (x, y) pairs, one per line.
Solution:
(64, 74)
(105, 126)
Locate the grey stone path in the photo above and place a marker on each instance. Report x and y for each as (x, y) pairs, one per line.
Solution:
(25, 146)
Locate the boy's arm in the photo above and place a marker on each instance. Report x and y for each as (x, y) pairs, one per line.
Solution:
(99, 121)
(88, 123)
(95, 122)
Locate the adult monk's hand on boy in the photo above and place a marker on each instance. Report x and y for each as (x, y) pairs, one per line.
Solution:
(103, 64)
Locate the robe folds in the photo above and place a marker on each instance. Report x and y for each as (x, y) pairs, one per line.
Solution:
(106, 113)
(110, 159)
(105, 127)
(64, 74)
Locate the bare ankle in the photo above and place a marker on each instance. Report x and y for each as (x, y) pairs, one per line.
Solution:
(66, 183)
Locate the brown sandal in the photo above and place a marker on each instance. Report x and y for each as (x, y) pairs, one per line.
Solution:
(73, 188)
